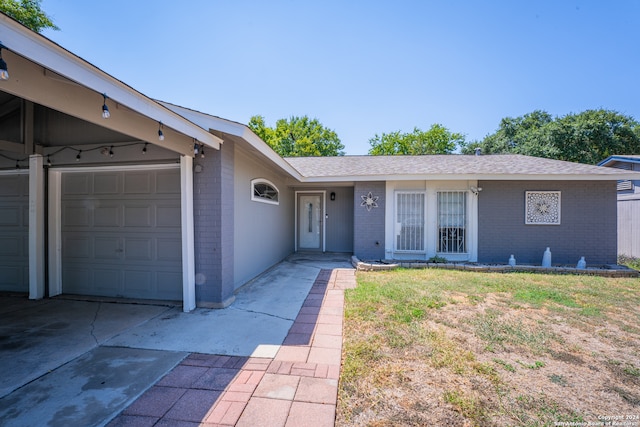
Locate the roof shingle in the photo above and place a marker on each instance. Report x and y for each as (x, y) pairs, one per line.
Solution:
(452, 166)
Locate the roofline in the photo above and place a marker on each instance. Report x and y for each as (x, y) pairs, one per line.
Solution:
(619, 158)
(240, 130)
(31, 45)
(468, 177)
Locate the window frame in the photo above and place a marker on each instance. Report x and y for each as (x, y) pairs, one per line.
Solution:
(262, 199)
(423, 241)
(464, 227)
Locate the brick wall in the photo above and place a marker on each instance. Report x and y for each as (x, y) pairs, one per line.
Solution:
(213, 225)
(368, 233)
(588, 223)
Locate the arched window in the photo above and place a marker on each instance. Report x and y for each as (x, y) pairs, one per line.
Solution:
(264, 191)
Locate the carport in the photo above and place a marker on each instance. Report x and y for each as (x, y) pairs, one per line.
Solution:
(90, 203)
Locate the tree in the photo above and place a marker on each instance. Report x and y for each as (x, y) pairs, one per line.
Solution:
(521, 135)
(437, 140)
(298, 137)
(586, 137)
(594, 135)
(28, 13)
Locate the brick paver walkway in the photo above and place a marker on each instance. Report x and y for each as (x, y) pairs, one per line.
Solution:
(297, 387)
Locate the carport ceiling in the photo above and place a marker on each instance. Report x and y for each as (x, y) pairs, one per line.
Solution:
(52, 128)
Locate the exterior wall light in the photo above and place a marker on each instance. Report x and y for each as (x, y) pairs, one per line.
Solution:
(333, 195)
(160, 133)
(105, 109)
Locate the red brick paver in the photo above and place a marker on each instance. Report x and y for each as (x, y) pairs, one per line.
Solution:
(298, 387)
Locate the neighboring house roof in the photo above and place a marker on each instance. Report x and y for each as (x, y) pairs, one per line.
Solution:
(447, 167)
(624, 158)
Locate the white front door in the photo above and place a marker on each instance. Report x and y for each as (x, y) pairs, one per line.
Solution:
(309, 221)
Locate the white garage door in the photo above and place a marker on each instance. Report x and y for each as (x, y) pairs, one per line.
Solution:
(121, 234)
(14, 233)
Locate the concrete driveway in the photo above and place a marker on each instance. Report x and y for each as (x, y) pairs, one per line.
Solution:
(70, 362)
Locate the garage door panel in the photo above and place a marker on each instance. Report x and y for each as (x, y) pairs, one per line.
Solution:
(138, 216)
(107, 248)
(169, 249)
(167, 285)
(107, 216)
(11, 278)
(76, 279)
(138, 249)
(74, 215)
(10, 216)
(106, 282)
(139, 283)
(14, 246)
(166, 183)
(14, 185)
(168, 216)
(75, 184)
(14, 233)
(137, 183)
(123, 244)
(106, 183)
(77, 247)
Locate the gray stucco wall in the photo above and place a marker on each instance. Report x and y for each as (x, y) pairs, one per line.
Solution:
(264, 233)
(368, 233)
(339, 224)
(588, 223)
(213, 226)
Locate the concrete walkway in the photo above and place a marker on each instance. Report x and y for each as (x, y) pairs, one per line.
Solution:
(70, 362)
(293, 384)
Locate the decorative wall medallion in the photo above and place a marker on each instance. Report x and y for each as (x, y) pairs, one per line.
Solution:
(369, 201)
(542, 207)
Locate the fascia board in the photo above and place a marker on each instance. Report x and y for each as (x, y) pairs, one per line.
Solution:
(42, 51)
(464, 177)
(236, 129)
(618, 158)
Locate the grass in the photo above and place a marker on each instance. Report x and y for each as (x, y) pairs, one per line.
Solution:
(444, 347)
(502, 333)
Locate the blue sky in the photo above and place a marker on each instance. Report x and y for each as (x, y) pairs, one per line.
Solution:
(365, 67)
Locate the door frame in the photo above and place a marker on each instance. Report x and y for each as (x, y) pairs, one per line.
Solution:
(323, 231)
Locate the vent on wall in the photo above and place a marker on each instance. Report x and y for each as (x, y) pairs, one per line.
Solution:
(624, 184)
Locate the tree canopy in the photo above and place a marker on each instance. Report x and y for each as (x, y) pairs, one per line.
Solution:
(28, 13)
(586, 137)
(437, 140)
(298, 137)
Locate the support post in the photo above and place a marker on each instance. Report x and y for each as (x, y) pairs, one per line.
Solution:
(36, 227)
(188, 246)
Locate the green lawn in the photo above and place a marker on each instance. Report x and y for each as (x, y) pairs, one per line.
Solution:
(443, 347)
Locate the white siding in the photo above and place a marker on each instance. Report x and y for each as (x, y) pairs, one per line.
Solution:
(629, 226)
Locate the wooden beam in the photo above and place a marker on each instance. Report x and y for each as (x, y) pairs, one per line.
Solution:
(12, 147)
(28, 127)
